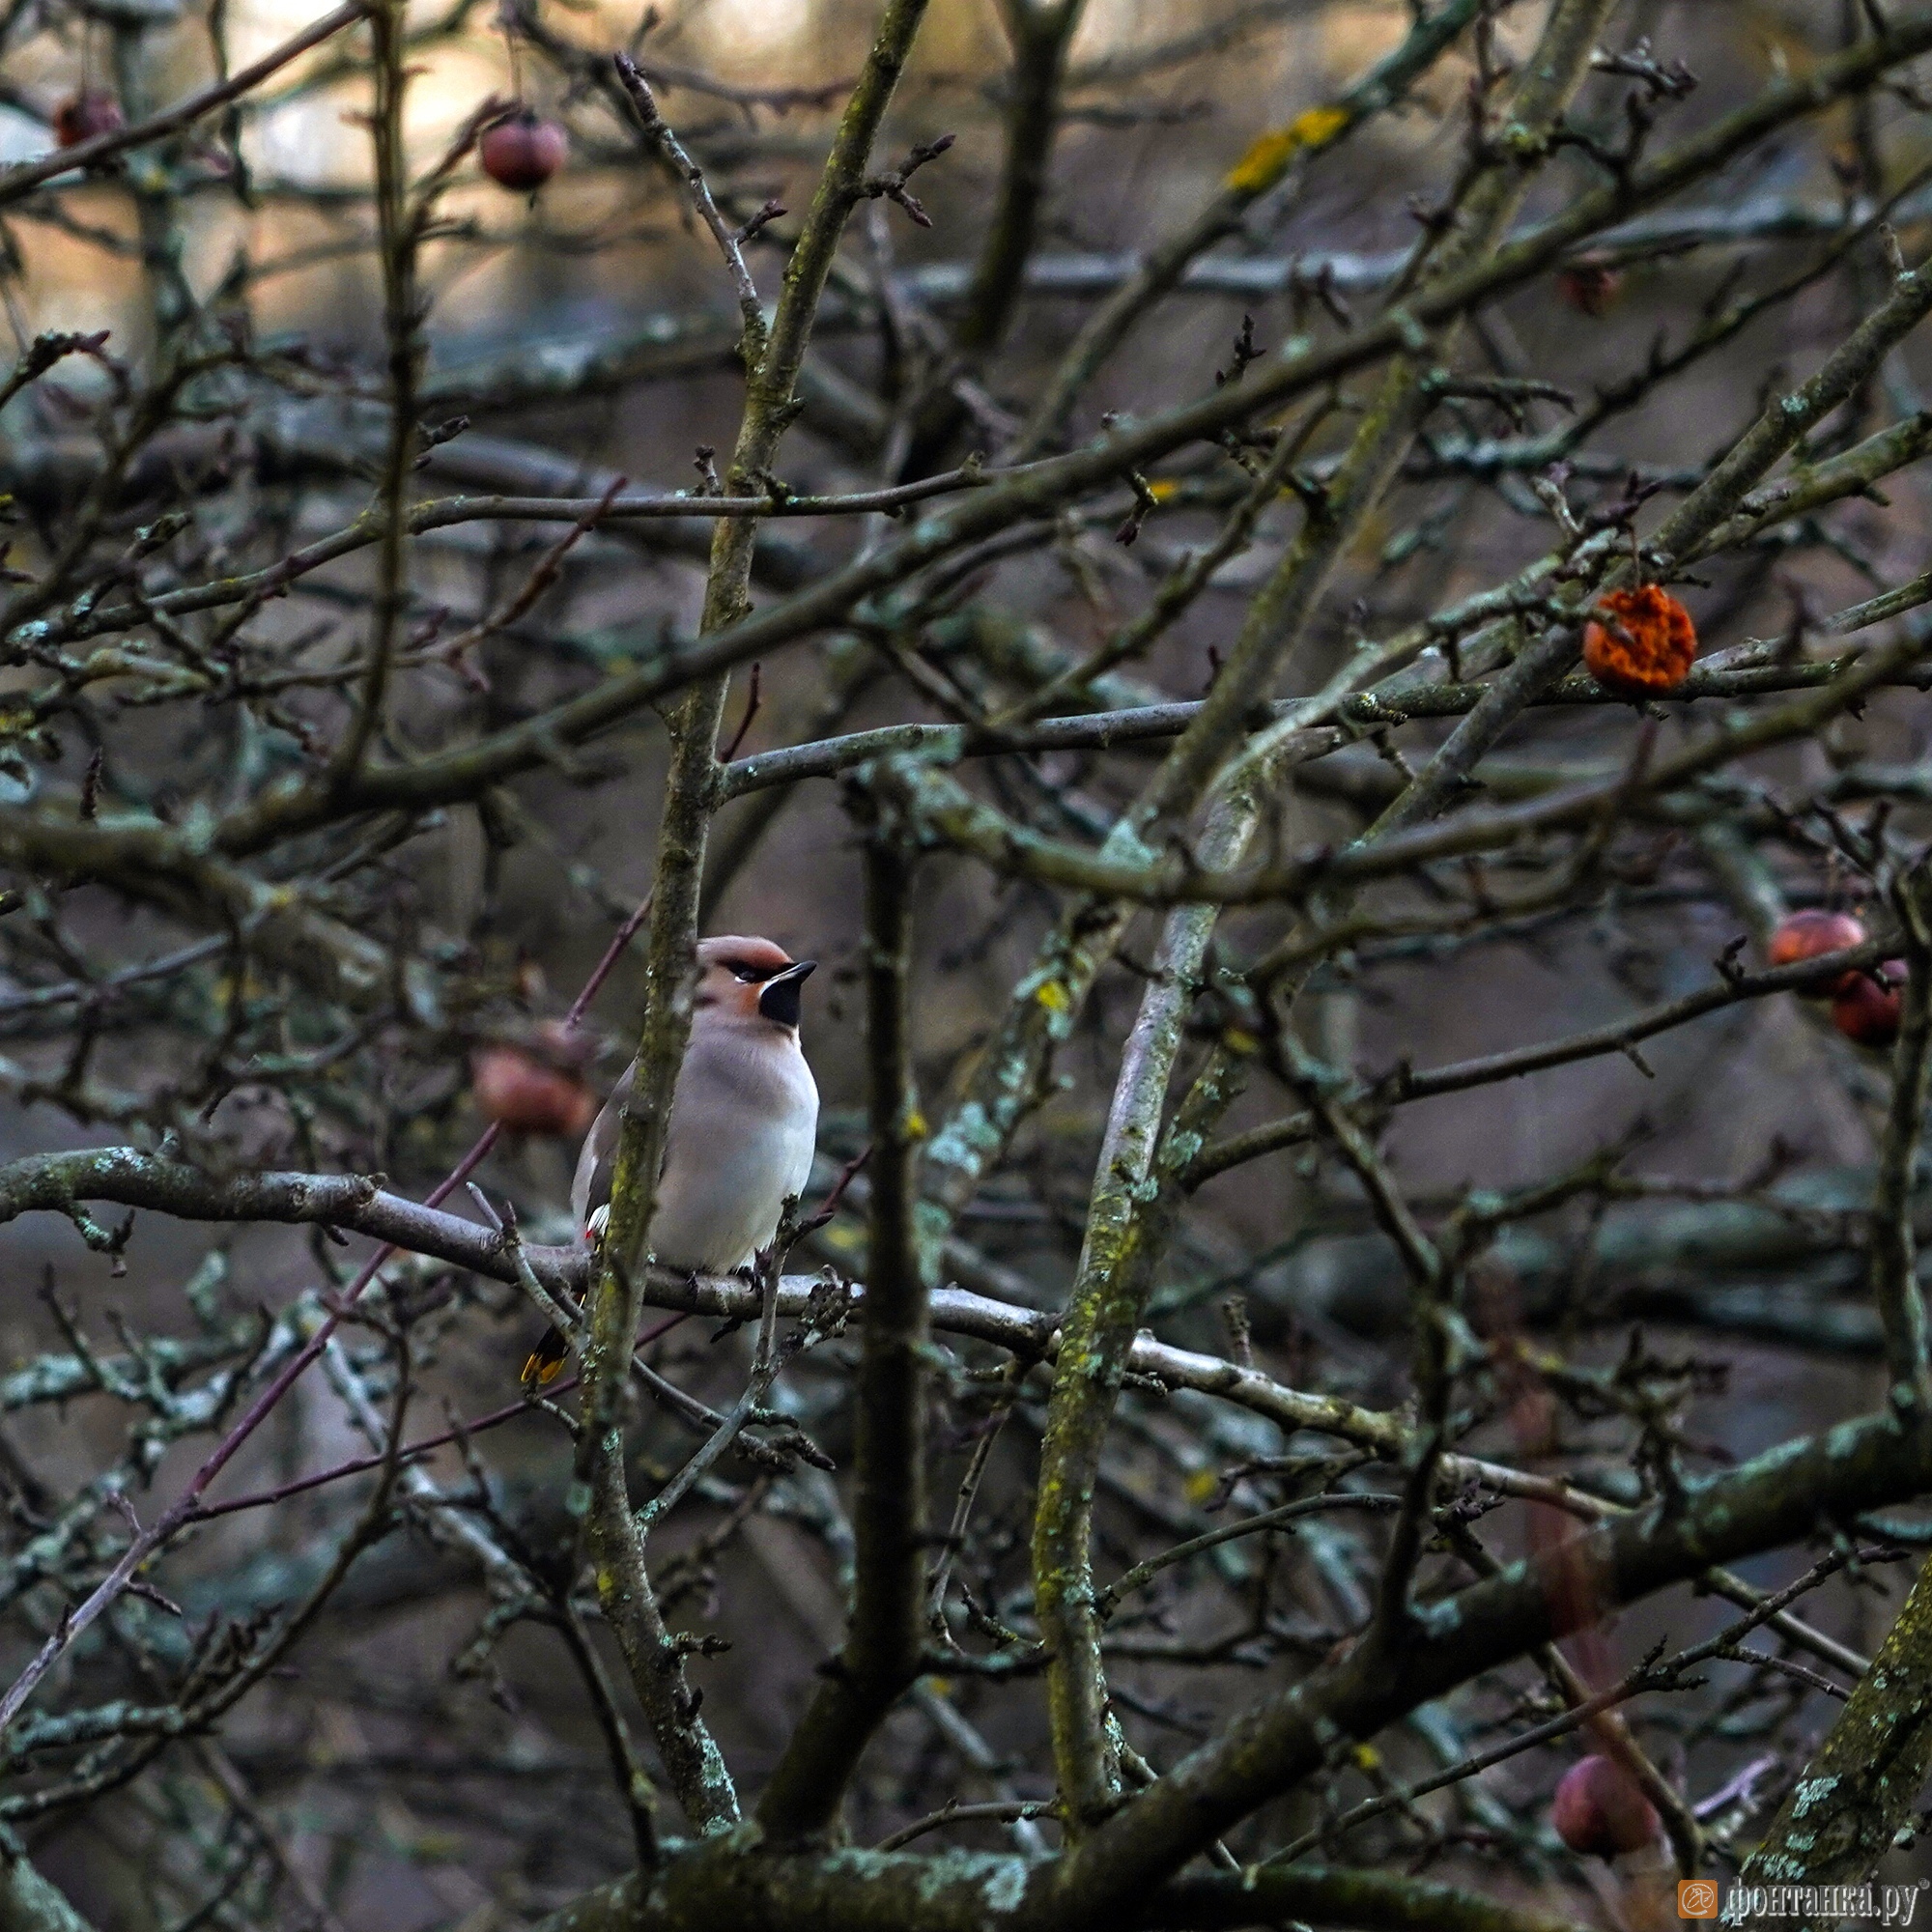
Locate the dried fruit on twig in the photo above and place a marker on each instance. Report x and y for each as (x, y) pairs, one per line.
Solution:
(522, 151)
(1804, 935)
(1865, 1009)
(1590, 287)
(81, 116)
(515, 1089)
(1639, 641)
(1601, 1810)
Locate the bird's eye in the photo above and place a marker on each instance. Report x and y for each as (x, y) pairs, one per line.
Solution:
(749, 976)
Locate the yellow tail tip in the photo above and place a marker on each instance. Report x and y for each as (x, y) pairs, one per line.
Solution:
(544, 1362)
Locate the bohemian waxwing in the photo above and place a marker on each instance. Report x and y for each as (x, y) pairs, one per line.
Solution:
(743, 1126)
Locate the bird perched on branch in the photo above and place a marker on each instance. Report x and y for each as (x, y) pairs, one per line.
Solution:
(744, 1124)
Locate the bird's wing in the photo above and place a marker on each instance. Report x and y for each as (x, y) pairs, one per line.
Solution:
(807, 1144)
(590, 1186)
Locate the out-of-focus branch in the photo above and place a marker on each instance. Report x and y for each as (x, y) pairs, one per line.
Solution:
(1371, 1901)
(1433, 1320)
(1288, 1737)
(1408, 1083)
(155, 863)
(469, 768)
(989, 1892)
(1053, 993)
(103, 147)
(1895, 1285)
(1039, 33)
(883, 1642)
(1278, 617)
(397, 235)
(28, 1903)
(1778, 428)
(1260, 170)
(1140, 724)
(953, 815)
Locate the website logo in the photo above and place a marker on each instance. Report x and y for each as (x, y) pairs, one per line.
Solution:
(1698, 1899)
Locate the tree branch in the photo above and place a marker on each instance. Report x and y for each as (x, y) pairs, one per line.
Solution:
(884, 1637)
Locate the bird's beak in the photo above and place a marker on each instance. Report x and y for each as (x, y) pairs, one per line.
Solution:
(778, 997)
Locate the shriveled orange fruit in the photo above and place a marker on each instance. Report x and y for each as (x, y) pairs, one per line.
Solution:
(1639, 641)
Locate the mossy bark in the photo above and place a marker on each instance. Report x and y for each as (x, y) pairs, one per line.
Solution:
(1841, 1816)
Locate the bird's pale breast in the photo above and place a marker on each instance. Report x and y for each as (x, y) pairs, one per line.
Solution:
(743, 1127)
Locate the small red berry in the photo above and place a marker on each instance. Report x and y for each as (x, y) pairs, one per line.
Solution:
(522, 151)
(1590, 287)
(1600, 1809)
(1804, 935)
(516, 1089)
(1864, 1010)
(81, 116)
(1641, 642)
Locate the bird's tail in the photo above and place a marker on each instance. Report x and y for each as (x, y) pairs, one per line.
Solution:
(546, 1359)
(542, 1364)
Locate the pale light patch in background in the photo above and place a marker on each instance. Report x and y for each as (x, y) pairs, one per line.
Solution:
(740, 33)
(22, 138)
(69, 286)
(314, 139)
(447, 91)
(306, 142)
(1347, 41)
(1354, 37)
(257, 25)
(39, 74)
(1332, 44)
(1110, 26)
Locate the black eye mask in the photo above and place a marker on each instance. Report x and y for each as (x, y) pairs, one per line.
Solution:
(781, 999)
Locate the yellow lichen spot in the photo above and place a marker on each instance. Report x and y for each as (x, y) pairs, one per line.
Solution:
(1054, 997)
(1320, 126)
(941, 1686)
(1237, 1040)
(1366, 1758)
(1164, 489)
(1268, 158)
(1202, 1484)
(916, 1125)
